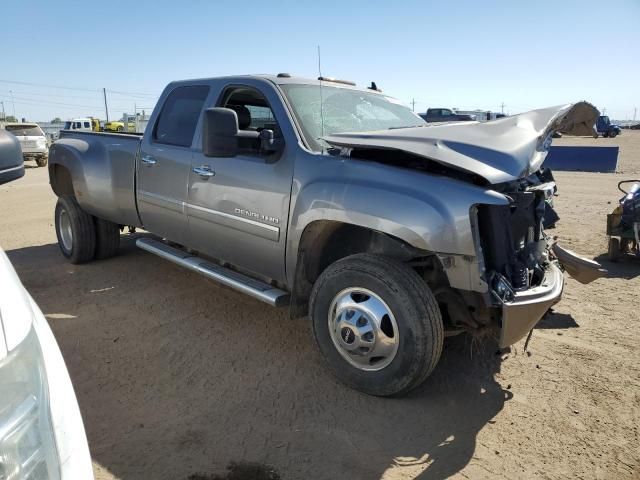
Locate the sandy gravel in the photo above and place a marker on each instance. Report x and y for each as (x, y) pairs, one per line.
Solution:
(176, 375)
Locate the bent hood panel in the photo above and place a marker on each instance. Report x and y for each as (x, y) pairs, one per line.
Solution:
(499, 151)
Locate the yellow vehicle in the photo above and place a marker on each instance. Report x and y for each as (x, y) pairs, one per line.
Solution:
(118, 126)
(95, 125)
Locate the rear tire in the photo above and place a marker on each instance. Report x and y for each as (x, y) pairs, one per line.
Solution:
(107, 238)
(42, 161)
(351, 288)
(75, 231)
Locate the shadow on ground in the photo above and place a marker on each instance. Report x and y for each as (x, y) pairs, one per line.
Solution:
(556, 320)
(178, 377)
(627, 267)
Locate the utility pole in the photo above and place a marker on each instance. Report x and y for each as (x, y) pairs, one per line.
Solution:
(413, 104)
(4, 116)
(604, 110)
(502, 107)
(14, 105)
(106, 109)
(635, 110)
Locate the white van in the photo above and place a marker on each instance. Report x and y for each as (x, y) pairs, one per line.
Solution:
(82, 124)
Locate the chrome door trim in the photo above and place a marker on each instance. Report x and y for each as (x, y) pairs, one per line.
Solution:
(11, 169)
(162, 201)
(247, 225)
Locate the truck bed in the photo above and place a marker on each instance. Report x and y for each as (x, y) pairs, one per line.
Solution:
(105, 185)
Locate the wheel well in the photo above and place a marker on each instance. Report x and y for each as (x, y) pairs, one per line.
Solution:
(324, 242)
(60, 179)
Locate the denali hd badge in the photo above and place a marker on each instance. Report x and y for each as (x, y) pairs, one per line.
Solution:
(256, 216)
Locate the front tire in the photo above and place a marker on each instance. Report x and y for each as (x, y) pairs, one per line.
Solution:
(75, 231)
(377, 324)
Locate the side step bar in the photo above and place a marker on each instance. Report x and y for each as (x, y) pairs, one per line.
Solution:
(255, 288)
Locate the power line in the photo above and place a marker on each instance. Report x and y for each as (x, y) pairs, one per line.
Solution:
(37, 101)
(48, 86)
(97, 90)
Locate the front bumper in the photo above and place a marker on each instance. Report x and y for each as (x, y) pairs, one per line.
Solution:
(521, 314)
(35, 154)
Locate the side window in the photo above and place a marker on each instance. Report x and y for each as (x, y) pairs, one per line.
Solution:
(77, 125)
(87, 125)
(177, 121)
(261, 117)
(254, 114)
(446, 113)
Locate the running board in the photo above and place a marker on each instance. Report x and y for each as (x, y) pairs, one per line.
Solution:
(242, 283)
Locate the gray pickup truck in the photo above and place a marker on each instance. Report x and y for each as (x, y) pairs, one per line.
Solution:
(339, 203)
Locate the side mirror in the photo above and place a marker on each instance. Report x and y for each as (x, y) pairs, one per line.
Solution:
(220, 133)
(11, 161)
(269, 142)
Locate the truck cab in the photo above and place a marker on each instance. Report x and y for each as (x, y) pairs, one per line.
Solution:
(605, 128)
(87, 124)
(445, 115)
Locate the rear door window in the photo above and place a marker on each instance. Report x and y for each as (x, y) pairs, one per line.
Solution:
(178, 119)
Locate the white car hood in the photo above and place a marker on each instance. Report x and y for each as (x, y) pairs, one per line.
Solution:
(499, 151)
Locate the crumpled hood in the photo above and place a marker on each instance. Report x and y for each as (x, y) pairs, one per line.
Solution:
(501, 150)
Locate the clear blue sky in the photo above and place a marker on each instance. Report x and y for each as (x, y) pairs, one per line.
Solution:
(465, 54)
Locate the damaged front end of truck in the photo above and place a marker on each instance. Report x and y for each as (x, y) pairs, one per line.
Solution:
(518, 262)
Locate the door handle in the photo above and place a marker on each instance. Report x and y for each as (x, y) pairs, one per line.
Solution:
(148, 160)
(204, 171)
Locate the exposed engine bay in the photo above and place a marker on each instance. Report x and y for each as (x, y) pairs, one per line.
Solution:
(514, 244)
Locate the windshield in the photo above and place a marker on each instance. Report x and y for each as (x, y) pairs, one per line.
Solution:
(25, 130)
(345, 110)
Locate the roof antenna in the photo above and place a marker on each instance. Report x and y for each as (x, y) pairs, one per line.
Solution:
(321, 108)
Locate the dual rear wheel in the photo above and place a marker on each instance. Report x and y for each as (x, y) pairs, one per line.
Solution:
(81, 236)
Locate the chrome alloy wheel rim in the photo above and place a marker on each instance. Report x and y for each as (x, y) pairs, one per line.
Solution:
(66, 234)
(363, 329)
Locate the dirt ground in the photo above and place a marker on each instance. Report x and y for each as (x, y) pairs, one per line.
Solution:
(177, 376)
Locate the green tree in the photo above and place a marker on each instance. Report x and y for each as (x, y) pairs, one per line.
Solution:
(56, 120)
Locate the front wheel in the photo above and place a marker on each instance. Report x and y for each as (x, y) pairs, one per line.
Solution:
(75, 231)
(377, 324)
